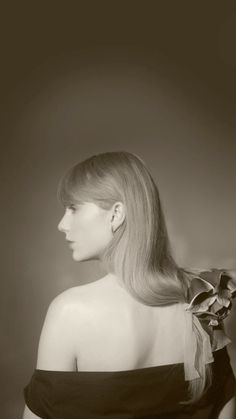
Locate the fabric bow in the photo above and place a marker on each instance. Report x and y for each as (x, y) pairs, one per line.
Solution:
(209, 301)
(210, 295)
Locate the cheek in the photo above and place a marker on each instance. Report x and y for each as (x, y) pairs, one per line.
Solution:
(92, 229)
(98, 229)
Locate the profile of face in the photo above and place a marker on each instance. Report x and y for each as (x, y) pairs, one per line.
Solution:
(88, 228)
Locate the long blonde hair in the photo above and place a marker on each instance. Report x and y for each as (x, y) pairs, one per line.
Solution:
(139, 252)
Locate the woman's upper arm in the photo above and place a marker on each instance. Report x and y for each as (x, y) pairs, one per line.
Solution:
(28, 414)
(56, 349)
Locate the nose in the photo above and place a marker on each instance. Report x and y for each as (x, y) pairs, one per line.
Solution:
(63, 224)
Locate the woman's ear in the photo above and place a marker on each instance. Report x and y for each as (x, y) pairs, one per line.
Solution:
(117, 215)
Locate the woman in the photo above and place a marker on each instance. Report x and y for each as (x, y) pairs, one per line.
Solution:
(146, 340)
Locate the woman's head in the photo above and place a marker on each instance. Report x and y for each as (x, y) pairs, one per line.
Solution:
(114, 190)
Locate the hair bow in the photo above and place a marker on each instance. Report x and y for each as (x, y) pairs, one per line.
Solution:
(210, 295)
(209, 301)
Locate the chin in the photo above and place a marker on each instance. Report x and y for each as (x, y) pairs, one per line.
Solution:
(79, 258)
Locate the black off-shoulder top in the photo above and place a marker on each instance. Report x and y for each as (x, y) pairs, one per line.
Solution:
(147, 393)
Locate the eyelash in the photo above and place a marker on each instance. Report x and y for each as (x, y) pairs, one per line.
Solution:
(72, 208)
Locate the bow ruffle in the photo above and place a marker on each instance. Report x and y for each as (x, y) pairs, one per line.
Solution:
(209, 301)
(210, 295)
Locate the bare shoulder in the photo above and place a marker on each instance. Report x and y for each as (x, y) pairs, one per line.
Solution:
(93, 301)
(80, 297)
(66, 299)
(61, 305)
(70, 297)
(57, 343)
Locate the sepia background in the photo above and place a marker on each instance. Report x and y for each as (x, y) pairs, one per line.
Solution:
(153, 78)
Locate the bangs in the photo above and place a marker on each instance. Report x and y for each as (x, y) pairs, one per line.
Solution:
(70, 188)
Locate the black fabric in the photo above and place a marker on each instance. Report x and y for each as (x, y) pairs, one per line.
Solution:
(146, 393)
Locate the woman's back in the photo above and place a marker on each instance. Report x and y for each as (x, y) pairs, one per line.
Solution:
(116, 332)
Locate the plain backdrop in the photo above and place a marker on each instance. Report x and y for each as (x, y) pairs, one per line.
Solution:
(153, 78)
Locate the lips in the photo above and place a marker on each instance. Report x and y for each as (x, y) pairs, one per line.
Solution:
(70, 244)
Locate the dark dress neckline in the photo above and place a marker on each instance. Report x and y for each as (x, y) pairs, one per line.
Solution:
(142, 370)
